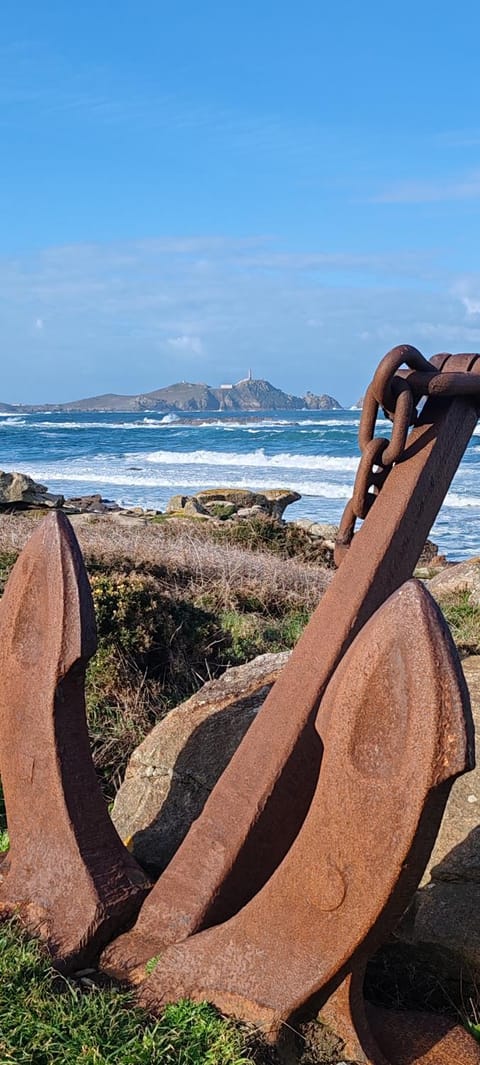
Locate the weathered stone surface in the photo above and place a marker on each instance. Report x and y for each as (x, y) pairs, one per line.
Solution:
(446, 907)
(171, 774)
(280, 498)
(327, 533)
(323, 402)
(92, 504)
(176, 503)
(463, 576)
(250, 512)
(430, 555)
(241, 497)
(304, 523)
(17, 489)
(193, 507)
(224, 503)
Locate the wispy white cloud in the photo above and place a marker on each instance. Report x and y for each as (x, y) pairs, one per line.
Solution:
(436, 191)
(186, 343)
(467, 290)
(129, 316)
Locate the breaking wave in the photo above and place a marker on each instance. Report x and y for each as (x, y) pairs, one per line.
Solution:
(249, 460)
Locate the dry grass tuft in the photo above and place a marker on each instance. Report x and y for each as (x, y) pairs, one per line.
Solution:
(180, 556)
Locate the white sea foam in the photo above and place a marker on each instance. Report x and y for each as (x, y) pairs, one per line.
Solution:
(168, 419)
(250, 459)
(172, 420)
(60, 474)
(146, 423)
(454, 499)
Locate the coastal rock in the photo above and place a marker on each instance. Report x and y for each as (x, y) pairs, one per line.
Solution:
(20, 490)
(93, 504)
(304, 523)
(224, 503)
(444, 915)
(322, 535)
(248, 395)
(194, 508)
(327, 533)
(175, 503)
(250, 512)
(239, 497)
(323, 402)
(280, 498)
(459, 577)
(171, 774)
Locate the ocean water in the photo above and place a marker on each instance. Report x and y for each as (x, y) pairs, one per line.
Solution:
(141, 460)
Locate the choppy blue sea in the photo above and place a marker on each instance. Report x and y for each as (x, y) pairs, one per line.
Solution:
(141, 460)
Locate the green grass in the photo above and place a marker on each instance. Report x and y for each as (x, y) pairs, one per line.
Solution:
(48, 1020)
(474, 1030)
(464, 621)
(248, 635)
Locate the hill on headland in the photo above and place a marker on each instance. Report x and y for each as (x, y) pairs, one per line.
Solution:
(249, 394)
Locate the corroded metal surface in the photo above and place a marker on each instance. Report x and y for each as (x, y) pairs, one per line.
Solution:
(255, 812)
(67, 872)
(376, 1036)
(395, 729)
(315, 837)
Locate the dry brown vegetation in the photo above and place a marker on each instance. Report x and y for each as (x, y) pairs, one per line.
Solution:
(182, 554)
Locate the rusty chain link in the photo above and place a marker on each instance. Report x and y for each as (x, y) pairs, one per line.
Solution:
(398, 391)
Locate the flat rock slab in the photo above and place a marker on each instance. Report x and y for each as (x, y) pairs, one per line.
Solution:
(461, 577)
(171, 774)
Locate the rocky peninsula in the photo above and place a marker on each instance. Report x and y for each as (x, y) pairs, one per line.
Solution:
(247, 395)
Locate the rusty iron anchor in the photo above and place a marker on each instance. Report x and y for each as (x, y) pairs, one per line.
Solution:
(272, 802)
(67, 873)
(258, 806)
(227, 857)
(395, 729)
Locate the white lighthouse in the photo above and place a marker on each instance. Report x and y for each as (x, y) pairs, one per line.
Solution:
(245, 379)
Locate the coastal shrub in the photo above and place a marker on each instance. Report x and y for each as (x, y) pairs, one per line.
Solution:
(222, 511)
(126, 608)
(268, 534)
(153, 651)
(167, 639)
(251, 634)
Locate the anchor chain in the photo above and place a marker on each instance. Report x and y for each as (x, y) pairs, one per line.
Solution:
(398, 392)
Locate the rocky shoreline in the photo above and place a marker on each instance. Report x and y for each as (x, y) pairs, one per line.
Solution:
(19, 492)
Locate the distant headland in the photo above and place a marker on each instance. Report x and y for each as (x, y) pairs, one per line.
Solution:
(249, 394)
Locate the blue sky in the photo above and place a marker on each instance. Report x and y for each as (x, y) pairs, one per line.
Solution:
(189, 189)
